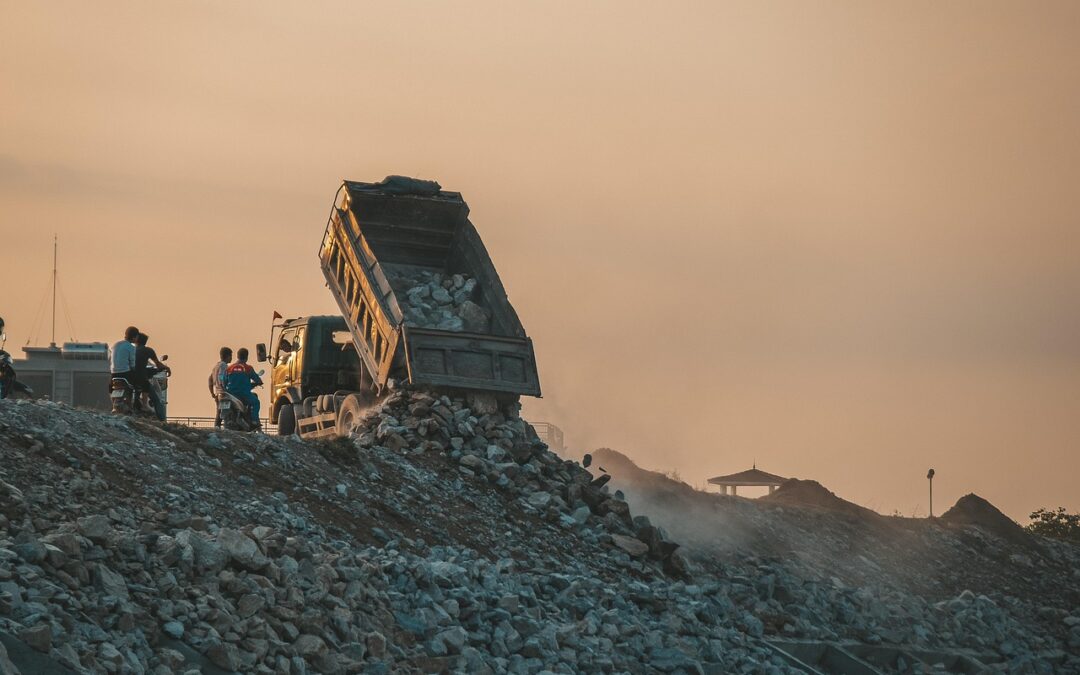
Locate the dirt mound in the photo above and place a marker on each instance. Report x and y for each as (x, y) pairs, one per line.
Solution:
(811, 493)
(972, 509)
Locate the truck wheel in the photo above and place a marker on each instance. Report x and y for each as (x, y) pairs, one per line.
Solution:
(286, 421)
(348, 415)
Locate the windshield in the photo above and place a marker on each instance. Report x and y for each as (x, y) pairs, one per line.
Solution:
(324, 351)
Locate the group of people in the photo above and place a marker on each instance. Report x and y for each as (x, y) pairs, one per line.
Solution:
(238, 379)
(130, 359)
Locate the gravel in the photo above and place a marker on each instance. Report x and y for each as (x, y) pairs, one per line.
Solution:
(431, 299)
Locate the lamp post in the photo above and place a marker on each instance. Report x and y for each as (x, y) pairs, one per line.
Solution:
(930, 477)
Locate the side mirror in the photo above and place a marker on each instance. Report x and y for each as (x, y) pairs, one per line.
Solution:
(164, 358)
(260, 352)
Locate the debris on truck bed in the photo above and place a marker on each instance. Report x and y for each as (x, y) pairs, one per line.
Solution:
(430, 299)
(409, 273)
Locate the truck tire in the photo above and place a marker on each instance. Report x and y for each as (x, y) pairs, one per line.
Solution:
(286, 421)
(348, 415)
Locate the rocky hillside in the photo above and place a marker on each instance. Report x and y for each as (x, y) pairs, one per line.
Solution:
(447, 538)
(440, 539)
(811, 565)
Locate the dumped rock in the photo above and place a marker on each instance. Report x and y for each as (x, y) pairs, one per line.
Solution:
(810, 493)
(972, 509)
(444, 537)
(39, 637)
(431, 299)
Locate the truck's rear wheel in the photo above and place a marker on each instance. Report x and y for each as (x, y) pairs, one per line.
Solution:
(286, 421)
(349, 415)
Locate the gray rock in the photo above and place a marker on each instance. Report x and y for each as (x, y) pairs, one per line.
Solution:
(223, 655)
(109, 582)
(453, 639)
(633, 546)
(441, 296)
(241, 549)
(376, 644)
(250, 604)
(309, 646)
(32, 551)
(96, 528)
(540, 499)
(38, 637)
(6, 666)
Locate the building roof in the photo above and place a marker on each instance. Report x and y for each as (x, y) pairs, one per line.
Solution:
(749, 477)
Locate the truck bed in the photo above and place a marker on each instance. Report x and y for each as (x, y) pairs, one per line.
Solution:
(374, 229)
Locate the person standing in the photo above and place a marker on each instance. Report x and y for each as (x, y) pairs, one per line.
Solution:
(122, 356)
(217, 381)
(241, 377)
(143, 356)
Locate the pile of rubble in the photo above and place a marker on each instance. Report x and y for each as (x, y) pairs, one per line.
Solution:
(431, 299)
(443, 538)
(811, 566)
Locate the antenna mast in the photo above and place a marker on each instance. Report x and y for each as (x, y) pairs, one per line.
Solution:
(52, 343)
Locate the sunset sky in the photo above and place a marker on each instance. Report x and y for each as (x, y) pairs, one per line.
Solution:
(841, 239)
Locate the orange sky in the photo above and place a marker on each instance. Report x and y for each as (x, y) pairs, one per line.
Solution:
(839, 237)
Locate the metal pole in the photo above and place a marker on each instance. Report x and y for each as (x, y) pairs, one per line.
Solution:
(930, 477)
(53, 341)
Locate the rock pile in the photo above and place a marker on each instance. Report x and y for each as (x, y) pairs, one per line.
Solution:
(444, 538)
(431, 299)
(809, 565)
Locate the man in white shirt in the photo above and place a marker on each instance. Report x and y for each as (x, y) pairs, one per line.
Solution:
(217, 380)
(122, 358)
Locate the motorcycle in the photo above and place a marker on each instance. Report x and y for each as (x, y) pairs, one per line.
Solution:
(235, 415)
(124, 400)
(9, 384)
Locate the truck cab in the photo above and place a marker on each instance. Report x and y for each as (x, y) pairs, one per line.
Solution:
(306, 362)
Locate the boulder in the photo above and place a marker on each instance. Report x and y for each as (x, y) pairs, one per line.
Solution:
(634, 547)
(38, 637)
(96, 528)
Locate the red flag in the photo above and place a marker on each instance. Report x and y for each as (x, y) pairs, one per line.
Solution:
(276, 315)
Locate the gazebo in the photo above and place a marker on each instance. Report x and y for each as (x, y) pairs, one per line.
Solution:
(754, 477)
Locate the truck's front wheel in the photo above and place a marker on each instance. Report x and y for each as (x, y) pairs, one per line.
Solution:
(348, 415)
(286, 421)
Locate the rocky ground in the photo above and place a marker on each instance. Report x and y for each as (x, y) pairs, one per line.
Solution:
(441, 539)
(433, 300)
(447, 538)
(810, 565)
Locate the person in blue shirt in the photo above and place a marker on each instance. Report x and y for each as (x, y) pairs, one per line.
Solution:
(239, 380)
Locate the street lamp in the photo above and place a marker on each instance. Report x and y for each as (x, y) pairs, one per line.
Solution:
(930, 477)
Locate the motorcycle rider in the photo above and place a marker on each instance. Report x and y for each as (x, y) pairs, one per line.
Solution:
(143, 356)
(8, 384)
(217, 380)
(122, 356)
(240, 377)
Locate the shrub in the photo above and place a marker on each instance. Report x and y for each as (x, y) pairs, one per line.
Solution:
(1056, 523)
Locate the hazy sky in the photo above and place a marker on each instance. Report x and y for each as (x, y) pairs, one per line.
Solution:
(840, 238)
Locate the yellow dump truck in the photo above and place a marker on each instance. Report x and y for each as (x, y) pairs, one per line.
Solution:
(421, 304)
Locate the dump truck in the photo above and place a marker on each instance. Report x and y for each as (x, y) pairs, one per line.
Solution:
(420, 305)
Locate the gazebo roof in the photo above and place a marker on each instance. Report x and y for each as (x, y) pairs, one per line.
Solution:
(750, 477)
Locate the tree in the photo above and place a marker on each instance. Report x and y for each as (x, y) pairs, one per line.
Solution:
(1056, 523)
